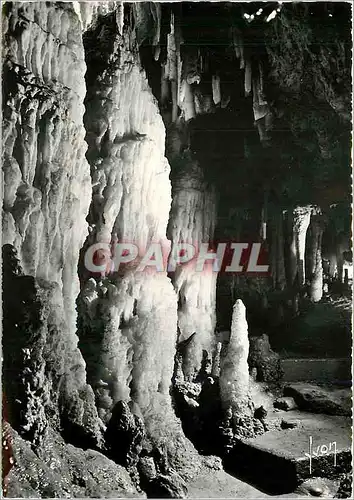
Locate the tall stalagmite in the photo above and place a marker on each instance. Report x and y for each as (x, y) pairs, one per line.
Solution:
(315, 258)
(128, 319)
(234, 377)
(300, 222)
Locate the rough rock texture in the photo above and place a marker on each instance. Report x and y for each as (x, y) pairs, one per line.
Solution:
(264, 360)
(158, 478)
(43, 388)
(59, 470)
(166, 486)
(286, 404)
(320, 399)
(300, 220)
(318, 487)
(45, 206)
(289, 423)
(128, 320)
(124, 435)
(127, 323)
(345, 489)
(235, 380)
(234, 377)
(192, 221)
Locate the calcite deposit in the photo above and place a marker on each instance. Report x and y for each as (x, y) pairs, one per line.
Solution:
(45, 208)
(234, 378)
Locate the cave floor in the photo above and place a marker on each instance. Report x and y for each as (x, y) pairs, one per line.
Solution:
(281, 454)
(220, 484)
(279, 460)
(294, 443)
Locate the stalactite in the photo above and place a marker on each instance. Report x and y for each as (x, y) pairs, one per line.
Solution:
(120, 17)
(332, 265)
(203, 102)
(187, 104)
(156, 14)
(261, 109)
(236, 43)
(174, 92)
(191, 70)
(264, 215)
(216, 89)
(215, 371)
(130, 346)
(242, 54)
(340, 263)
(165, 89)
(171, 68)
(178, 41)
(315, 257)
(192, 220)
(300, 223)
(88, 12)
(248, 78)
(260, 106)
(261, 83)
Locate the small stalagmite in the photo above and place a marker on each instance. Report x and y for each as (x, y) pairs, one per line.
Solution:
(234, 375)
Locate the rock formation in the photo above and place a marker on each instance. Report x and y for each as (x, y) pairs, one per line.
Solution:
(234, 377)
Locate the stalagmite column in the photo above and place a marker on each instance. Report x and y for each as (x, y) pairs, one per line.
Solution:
(315, 257)
(47, 196)
(277, 252)
(192, 221)
(187, 104)
(215, 81)
(128, 319)
(234, 375)
(300, 223)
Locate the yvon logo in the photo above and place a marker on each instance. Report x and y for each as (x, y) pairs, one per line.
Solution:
(321, 450)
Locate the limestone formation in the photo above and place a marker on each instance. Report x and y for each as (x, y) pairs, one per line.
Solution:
(264, 359)
(234, 376)
(192, 221)
(301, 220)
(316, 268)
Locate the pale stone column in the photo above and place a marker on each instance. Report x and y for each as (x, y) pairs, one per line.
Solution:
(234, 375)
(315, 256)
(301, 221)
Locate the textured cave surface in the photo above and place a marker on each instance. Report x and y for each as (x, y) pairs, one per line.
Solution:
(149, 123)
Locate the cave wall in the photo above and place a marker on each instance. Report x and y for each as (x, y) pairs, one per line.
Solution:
(127, 327)
(46, 200)
(121, 124)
